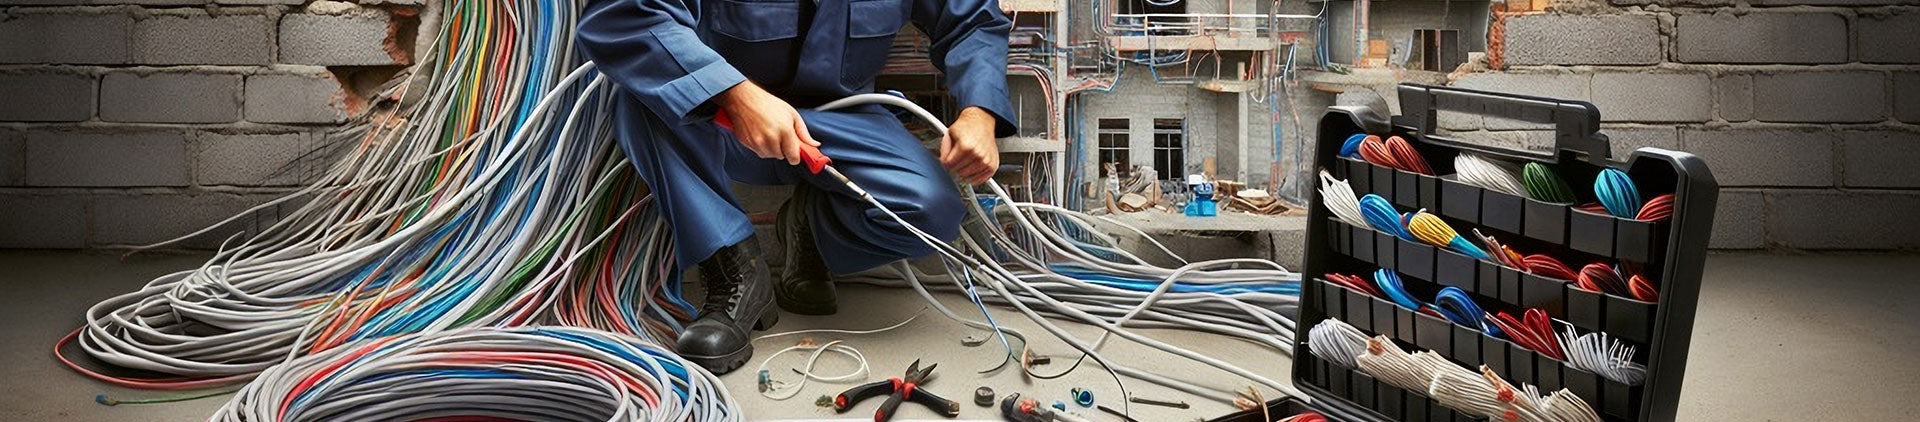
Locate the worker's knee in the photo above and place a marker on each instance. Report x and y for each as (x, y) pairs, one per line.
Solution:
(931, 204)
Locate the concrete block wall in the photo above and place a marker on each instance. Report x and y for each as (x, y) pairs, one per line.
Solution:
(1808, 110)
(127, 122)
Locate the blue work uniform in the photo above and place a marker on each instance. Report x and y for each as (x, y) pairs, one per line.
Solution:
(670, 57)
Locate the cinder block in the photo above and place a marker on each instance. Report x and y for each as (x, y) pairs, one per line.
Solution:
(1653, 97)
(46, 96)
(1550, 85)
(1881, 159)
(194, 37)
(353, 39)
(1761, 37)
(1822, 219)
(1552, 39)
(1820, 97)
(1625, 139)
(1765, 157)
(254, 160)
(83, 159)
(1733, 97)
(137, 219)
(170, 97)
(312, 97)
(1889, 39)
(13, 158)
(66, 37)
(1906, 96)
(43, 221)
(1739, 220)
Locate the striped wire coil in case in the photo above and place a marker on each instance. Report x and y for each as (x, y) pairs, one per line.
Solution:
(1649, 217)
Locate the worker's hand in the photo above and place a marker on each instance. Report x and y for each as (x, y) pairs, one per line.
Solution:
(969, 149)
(765, 123)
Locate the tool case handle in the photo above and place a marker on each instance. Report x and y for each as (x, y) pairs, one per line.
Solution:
(1576, 124)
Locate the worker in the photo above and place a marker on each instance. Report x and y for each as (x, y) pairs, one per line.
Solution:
(765, 63)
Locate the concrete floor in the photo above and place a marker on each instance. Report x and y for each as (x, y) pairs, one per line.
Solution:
(1844, 326)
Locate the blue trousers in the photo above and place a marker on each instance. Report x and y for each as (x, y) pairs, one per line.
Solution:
(690, 168)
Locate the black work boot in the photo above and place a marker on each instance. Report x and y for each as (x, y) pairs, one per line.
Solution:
(805, 286)
(738, 301)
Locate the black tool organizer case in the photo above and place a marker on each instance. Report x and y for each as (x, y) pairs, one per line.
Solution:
(1670, 251)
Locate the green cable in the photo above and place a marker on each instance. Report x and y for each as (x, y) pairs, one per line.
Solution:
(1545, 186)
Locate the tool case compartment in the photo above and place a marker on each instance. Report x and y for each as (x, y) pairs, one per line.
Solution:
(1669, 253)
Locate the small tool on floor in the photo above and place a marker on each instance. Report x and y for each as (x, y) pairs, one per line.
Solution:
(904, 388)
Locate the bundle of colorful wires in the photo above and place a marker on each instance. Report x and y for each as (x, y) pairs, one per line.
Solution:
(1481, 394)
(1544, 185)
(485, 197)
(1533, 330)
(1394, 152)
(1430, 229)
(1381, 216)
(1617, 193)
(487, 374)
(1476, 170)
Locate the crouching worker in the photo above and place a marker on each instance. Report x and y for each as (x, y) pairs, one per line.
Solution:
(764, 63)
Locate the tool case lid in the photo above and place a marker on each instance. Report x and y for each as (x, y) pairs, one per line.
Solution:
(1669, 252)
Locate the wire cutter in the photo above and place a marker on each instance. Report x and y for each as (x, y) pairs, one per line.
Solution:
(898, 390)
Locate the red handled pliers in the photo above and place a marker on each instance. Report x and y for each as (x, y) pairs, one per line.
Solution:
(905, 388)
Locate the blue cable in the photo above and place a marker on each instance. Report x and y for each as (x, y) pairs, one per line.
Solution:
(1389, 282)
(1381, 215)
(1458, 307)
(1617, 193)
(1351, 149)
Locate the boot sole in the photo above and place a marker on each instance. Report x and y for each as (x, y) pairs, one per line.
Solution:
(723, 364)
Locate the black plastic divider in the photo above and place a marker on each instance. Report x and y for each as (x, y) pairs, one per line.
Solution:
(1669, 252)
(1462, 200)
(1625, 318)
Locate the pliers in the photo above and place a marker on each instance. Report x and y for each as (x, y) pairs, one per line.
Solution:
(901, 389)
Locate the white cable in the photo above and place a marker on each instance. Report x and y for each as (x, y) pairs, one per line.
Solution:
(777, 390)
(1479, 171)
(1341, 200)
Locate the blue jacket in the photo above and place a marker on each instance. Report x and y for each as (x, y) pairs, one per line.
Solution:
(674, 55)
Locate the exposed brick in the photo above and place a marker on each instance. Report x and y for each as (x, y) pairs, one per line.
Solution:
(1765, 157)
(1889, 39)
(195, 37)
(1845, 219)
(1761, 37)
(1820, 97)
(46, 97)
(255, 160)
(1558, 86)
(1624, 140)
(1880, 159)
(1583, 39)
(1653, 97)
(1739, 220)
(1906, 96)
(145, 219)
(106, 159)
(356, 39)
(43, 221)
(1733, 97)
(307, 97)
(170, 97)
(64, 37)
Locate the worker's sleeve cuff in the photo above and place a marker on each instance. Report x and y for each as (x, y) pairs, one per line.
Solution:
(996, 104)
(686, 98)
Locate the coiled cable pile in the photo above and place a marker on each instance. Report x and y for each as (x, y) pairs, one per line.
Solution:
(1483, 394)
(523, 373)
(492, 195)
